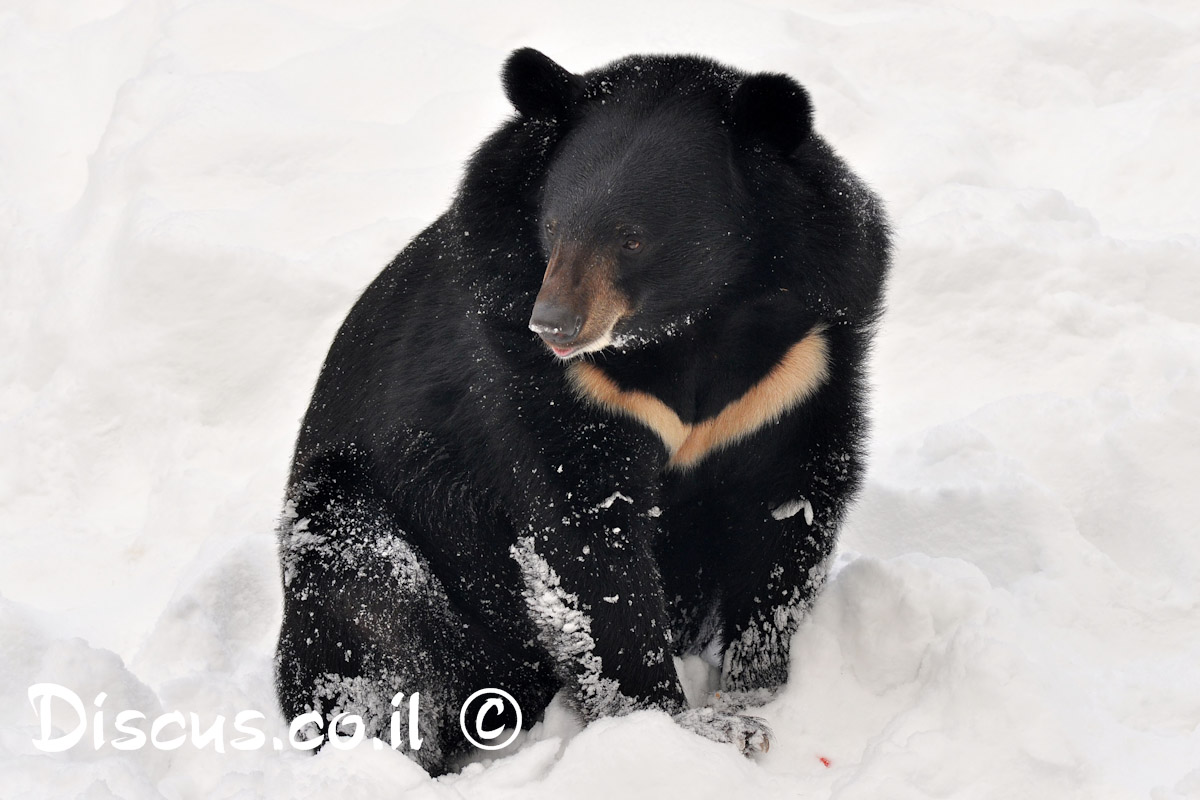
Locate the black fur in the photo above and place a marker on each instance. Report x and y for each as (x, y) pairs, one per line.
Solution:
(445, 468)
(774, 109)
(538, 87)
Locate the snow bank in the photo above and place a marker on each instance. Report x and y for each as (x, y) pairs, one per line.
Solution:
(192, 195)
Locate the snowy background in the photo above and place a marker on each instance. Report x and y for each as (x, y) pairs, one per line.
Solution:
(193, 194)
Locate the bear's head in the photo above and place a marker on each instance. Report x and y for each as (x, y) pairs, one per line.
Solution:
(643, 208)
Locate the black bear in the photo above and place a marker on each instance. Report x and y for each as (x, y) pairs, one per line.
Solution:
(608, 409)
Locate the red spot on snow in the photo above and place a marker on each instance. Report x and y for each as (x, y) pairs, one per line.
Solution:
(824, 760)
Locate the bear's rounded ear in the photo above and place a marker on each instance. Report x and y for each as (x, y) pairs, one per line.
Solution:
(771, 108)
(537, 86)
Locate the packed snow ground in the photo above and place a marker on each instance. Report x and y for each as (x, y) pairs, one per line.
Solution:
(192, 195)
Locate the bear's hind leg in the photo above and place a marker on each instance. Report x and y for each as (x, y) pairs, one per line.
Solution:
(366, 618)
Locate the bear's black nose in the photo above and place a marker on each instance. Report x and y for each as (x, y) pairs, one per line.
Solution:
(556, 324)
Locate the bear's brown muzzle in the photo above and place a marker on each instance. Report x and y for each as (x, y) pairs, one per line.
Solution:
(579, 303)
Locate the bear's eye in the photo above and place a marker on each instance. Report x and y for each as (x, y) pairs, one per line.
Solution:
(632, 244)
(550, 226)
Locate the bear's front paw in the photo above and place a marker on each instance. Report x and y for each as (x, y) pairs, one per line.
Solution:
(738, 700)
(748, 734)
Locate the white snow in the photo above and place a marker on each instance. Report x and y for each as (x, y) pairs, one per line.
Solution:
(193, 194)
(793, 507)
(612, 498)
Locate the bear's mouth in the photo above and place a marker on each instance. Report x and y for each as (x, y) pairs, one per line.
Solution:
(571, 351)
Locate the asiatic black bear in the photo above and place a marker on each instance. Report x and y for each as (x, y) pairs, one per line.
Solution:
(659, 468)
